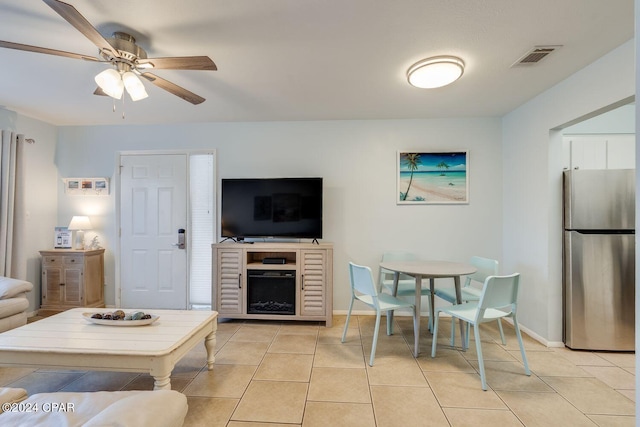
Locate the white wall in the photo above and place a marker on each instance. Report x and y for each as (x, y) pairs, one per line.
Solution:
(532, 165)
(40, 207)
(618, 120)
(357, 161)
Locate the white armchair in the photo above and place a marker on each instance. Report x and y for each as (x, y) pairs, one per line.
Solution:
(13, 302)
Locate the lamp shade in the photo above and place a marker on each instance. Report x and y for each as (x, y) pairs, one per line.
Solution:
(80, 223)
(111, 83)
(435, 72)
(134, 86)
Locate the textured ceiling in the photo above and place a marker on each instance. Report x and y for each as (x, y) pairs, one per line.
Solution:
(305, 59)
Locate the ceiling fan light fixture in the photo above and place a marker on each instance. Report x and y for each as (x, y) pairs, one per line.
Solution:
(435, 72)
(134, 86)
(111, 83)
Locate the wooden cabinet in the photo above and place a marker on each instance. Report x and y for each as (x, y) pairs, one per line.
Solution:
(72, 278)
(312, 264)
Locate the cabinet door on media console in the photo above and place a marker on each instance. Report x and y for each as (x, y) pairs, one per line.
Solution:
(230, 292)
(313, 283)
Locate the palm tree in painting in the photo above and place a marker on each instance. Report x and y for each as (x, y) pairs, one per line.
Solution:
(442, 165)
(411, 161)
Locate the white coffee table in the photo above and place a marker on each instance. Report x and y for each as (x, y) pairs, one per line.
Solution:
(67, 340)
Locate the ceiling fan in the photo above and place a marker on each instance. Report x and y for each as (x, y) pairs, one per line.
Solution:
(129, 60)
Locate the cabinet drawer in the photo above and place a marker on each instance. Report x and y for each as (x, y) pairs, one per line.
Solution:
(72, 260)
(52, 260)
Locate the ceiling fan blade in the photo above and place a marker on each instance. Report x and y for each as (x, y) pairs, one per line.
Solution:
(73, 17)
(174, 89)
(37, 49)
(180, 63)
(99, 91)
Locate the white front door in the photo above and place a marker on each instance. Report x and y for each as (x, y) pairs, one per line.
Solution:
(153, 208)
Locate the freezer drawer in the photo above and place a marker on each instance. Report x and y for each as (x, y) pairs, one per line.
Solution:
(599, 291)
(599, 199)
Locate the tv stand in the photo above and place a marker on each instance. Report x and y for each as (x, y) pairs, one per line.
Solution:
(311, 264)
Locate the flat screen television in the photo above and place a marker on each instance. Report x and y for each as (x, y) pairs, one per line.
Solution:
(271, 207)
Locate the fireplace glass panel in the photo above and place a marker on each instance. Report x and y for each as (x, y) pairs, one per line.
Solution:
(271, 292)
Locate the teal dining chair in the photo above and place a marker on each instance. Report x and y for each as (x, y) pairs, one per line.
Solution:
(364, 289)
(498, 299)
(406, 284)
(485, 267)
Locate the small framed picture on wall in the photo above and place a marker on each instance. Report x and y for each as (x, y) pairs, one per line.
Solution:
(101, 185)
(86, 186)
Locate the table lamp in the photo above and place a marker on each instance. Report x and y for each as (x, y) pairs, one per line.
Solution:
(79, 224)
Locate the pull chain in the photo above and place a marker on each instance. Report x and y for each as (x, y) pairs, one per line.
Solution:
(114, 106)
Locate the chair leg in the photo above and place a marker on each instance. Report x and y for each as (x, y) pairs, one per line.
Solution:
(504, 342)
(346, 324)
(476, 334)
(416, 338)
(430, 324)
(375, 338)
(434, 343)
(465, 345)
(524, 355)
(453, 331)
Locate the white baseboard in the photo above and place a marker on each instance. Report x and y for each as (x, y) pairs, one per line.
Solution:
(541, 340)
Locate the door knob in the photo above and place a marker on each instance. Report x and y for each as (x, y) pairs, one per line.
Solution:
(181, 239)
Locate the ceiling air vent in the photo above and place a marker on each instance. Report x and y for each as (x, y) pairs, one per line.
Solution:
(535, 55)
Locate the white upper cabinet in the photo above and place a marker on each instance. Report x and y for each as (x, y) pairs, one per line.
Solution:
(588, 152)
(599, 151)
(621, 152)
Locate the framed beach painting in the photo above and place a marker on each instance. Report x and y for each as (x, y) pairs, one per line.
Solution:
(434, 177)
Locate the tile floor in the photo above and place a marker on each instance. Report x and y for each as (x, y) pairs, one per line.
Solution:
(287, 374)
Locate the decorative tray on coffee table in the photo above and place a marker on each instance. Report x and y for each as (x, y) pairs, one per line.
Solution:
(120, 322)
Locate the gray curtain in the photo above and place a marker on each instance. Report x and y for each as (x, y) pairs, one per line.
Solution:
(10, 168)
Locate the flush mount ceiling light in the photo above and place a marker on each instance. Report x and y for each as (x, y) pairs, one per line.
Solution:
(435, 72)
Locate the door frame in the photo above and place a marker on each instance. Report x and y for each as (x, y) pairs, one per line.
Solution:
(117, 193)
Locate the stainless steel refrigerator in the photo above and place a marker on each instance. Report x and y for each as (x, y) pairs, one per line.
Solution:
(599, 259)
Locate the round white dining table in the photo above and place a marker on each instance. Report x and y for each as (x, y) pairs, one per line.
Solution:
(428, 270)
